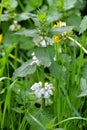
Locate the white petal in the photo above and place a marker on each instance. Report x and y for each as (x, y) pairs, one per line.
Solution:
(38, 62)
(42, 91)
(50, 86)
(40, 83)
(43, 43)
(34, 86)
(46, 95)
(12, 27)
(46, 84)
(33, 63)
(38, 93)
(34, 58)
(54, 58)
(15, 22)
(33, 54)
(50, 92)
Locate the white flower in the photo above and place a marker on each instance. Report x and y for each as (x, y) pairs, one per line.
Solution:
(42, 92)
(38, 93)
(43, 43)
(35, 86)
(33, 54)
(46, 95)
(15, 22)
(35, 60)
(40, 83)
(48, 90)
(54, 58)
(12, 27)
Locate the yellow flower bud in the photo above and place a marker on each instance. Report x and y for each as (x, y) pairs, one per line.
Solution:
(57, 38)
(1, 38)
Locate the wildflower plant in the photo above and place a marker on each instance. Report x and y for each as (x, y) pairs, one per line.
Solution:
(43, 64)
(42, 91)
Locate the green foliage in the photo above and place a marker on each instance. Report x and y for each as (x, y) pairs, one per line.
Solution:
(32, 4)
(83, 25)
(27, 32)
(62, 30)
(69, 4)
(43, 42)
(43, 55)
(25, 69)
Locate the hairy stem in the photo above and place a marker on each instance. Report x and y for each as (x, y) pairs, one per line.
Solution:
(78, 44)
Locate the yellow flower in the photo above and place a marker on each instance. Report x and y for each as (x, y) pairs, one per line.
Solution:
(58, 38)
(1, 38)
(59, 24)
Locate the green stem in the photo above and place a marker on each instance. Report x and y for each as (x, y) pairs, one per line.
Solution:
(13, 57)
(70, 119)
(43, 100)
(56, 50)
(15, 62)
(1, 10)
(78, 44)
(21, 5)
(43, 103)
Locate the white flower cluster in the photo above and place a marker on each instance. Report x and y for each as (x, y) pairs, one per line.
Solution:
(15, 26)
(42, 92)
(35, 60)
(39, 41)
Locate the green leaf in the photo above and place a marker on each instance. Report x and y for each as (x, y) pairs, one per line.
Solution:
(36, 3)
(26, 43)
(4, 17)
(11, 41)
(43, 55)
(83, 25)
(18, 110)
(8, 100)
(37, 121)
(68, 4)
(55, 70)
(53, 14)
(52, 2)
(10, 4)
(24, 16)
(84, 71)
(27, 32)
(83, 93)
(13, 3)
(31, 5)
(83, 82)
(59, 30)
(83, 85)
(2, 66)
(74, 19)
(25, 69)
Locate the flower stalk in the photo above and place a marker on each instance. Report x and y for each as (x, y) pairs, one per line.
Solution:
(43, 103)
(70, 38)
(43, 85)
